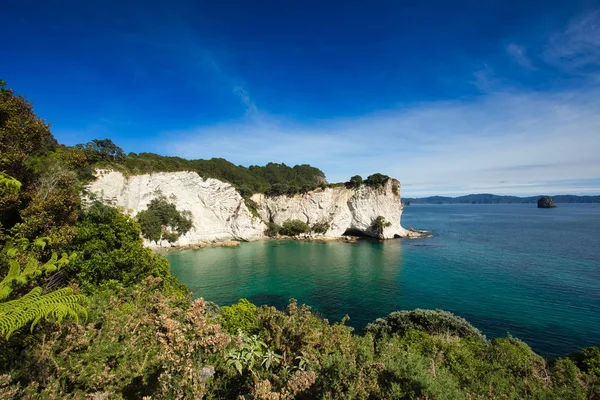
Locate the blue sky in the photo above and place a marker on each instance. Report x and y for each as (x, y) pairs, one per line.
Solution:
(449, 97)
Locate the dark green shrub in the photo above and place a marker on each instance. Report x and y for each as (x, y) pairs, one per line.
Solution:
(588, 360)
(396, 189)
(272, 229)
(162, 220)
(111, 251)
(377, 180)
(434, 322)
(278, 189)
(355, 182)
(294, 227)
(379, 224)
(320, 227)
(241, 315)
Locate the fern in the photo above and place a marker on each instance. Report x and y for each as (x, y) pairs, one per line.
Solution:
(33, 307)
(8, 184)
(32, 269)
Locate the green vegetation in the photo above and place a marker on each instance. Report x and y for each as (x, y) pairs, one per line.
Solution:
(273, 229)
(294, 227)
(272, 179)
(144, 336)
(239, 317)
(162, 220)
(355, 182)
(320, 227)
(376, 180)
(433, 322)
(379, 224)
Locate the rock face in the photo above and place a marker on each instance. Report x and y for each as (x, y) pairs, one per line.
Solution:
(220, 213)
(347, 211)
(545, 202)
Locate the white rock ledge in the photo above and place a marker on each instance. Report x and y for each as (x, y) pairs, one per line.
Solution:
(220, 213)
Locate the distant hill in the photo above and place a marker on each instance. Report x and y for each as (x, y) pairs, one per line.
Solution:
(486, 198)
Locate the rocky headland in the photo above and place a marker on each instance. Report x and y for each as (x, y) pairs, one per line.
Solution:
(220, 214)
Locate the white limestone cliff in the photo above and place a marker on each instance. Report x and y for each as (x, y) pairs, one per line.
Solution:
(346, 210)
(220, 213)
(218, 210)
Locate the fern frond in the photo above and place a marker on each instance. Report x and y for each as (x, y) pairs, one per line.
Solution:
(33, 307)
(14, 276)
(9, 184)
(31, 267)
(41, 242)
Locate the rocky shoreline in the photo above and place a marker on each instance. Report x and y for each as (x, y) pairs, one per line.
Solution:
(415, 234)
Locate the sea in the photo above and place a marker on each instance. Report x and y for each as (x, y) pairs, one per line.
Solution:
(509, 269)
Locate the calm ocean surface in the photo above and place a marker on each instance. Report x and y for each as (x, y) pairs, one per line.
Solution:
(533, 273)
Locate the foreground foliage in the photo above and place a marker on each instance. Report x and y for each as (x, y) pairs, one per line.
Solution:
(144, 337)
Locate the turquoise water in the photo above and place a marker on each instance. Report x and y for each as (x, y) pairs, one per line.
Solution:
(534, 273)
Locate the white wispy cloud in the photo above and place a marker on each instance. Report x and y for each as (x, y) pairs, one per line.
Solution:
(578, 46)
(507, 142)
(519, 54)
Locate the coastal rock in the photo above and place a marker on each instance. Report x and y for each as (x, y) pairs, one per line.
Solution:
(545, 202)
(347, 211)
(220, 213)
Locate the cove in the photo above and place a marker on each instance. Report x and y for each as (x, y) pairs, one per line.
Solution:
(533, 273)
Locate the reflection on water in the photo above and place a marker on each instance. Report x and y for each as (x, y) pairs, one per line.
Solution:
(506, 268)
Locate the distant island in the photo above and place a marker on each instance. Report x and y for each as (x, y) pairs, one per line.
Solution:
(486, 198)
(546, 202)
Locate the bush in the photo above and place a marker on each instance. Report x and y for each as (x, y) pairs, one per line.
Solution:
(396, 189)
(588, 360)
(163, 221)
(272, 229)
(239, 316)
(379, 224)
(143, 337)
(434, 322)
(355, 182)
(320, 227)
(111, 251)
(294, 227)
(377, 180)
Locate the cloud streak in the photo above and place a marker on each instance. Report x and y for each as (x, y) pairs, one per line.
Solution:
(577, 48)
(506, 141)
(524, 140)
(518, 53)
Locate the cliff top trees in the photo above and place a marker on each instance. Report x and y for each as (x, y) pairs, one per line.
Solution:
(102, 150)
(162, 220)
(355, 182)
(377, 180)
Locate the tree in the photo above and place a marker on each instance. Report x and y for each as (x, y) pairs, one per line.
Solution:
(22, 134)
(377, 180)
(162, 220)
(111, 251)
(102, 150)
(355, 182)
(320, 227)
(294, 227)
(378, 225)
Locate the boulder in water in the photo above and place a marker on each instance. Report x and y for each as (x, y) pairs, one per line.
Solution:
(545, 202)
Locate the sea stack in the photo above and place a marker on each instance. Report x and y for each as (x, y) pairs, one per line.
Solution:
(545, 202)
